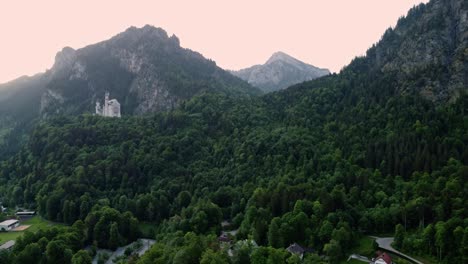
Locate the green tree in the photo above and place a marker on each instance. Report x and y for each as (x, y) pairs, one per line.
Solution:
(440, 238)
(326, 230)
(58, 253)
(274, 236)
(333, 251)
(294, 259)
(81, 257)
(399, 236)
(30, 254)
(429, 238)
(464, 248)
(114, 236)
(212, 257)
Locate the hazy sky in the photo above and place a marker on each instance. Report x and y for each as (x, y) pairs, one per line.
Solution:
(235, 34)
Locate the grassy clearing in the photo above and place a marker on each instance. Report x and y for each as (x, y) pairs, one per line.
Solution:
(6, 236)
(35, 223)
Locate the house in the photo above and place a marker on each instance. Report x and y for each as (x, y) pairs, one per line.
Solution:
(383, 258)
(8, 245)
(7, 225)
(299, 250)
(26, 213)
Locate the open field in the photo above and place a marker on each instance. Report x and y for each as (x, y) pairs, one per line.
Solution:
(35, 224)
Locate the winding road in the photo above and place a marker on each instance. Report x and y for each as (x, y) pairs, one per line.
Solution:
(385, 243)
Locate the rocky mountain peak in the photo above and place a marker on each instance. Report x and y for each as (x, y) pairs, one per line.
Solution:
(64, 57)
(146, 34)
(281, 56)
(64, 60)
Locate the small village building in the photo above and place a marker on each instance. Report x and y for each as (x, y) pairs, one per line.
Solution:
(383, 258)
(26, 213)
(7, 245)
(8, 225)
(299, 250)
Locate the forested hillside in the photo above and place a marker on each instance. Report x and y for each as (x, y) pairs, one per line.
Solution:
(321, 163)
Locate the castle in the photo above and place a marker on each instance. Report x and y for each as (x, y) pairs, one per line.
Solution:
(111, 108)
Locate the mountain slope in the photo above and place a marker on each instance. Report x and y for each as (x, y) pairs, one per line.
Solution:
(279, 72)
(426, 52)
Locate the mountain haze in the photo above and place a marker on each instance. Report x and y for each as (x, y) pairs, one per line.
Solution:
(279, 72)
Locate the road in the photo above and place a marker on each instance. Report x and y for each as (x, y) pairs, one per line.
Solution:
(385, 243)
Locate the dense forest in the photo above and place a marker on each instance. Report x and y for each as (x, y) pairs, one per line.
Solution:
(320, 164)
(317, 169)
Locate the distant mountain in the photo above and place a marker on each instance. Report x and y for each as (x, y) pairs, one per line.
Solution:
(280, 72)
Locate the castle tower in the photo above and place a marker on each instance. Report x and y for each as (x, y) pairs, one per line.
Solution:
(106, 105)
(98, 109)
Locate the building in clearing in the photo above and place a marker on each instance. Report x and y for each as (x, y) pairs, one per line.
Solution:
(7, 225)
(28, 213)
(111, 108)
(299, 250)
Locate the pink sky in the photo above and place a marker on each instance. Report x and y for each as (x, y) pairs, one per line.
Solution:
(235, 34)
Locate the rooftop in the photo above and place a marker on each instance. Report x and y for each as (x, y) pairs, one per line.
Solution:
(298, 249)
(9, 222)
(384, 257)
(8, 244)
(26, 212)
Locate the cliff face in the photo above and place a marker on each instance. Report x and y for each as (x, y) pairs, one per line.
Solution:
(432, 38)
(279, 72)
(144, 69)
